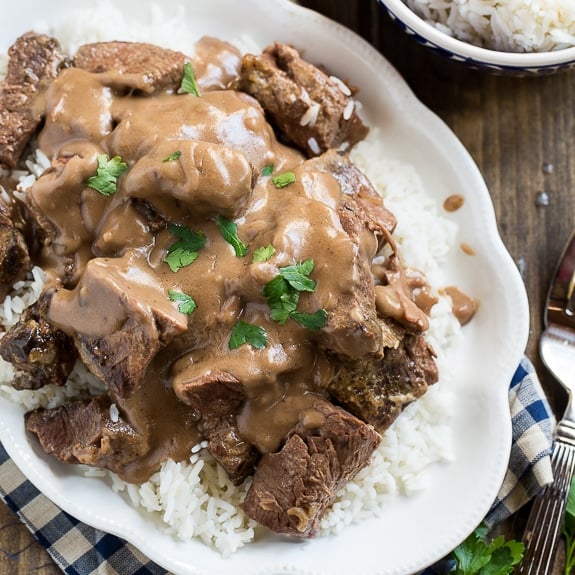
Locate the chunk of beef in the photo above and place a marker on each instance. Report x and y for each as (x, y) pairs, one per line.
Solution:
(217, 396)
(14, 257)
(216, 64)
(212, 393)
(353, 326)
(118, 324)
(293, 488)
(88, 432)
(355, 184)
(237, 456)
(40, 353)
(34, 60)
(138, 65)
(311, 109)
(378, 391)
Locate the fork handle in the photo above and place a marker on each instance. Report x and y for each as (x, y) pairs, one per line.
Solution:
(543, 529)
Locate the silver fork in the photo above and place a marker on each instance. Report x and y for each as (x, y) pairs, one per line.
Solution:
(557, 350)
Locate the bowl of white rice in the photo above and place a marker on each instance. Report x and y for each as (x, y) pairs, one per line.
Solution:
(523, 37)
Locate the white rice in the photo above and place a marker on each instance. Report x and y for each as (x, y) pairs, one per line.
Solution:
(505, 25)
(195, 499)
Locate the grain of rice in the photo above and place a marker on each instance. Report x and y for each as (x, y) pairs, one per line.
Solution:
(310, 116)
(348, 110)
(314, 146)
(341, 85)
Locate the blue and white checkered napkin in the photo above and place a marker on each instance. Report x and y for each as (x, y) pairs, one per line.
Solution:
(81, 550)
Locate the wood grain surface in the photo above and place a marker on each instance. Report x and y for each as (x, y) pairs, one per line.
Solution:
(519, 132)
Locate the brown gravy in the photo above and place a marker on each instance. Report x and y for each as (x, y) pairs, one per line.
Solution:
(103, 246)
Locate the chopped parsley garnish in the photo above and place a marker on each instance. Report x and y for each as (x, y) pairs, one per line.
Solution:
(283, 292)
(478, 556)
(244, 332)
(185, 251)
(173, 156)
(106, 179)
(189, 85)
(229, 231)
(264, 253)
(186, 303)
(283, 180)
(312, 321)
(268, 170)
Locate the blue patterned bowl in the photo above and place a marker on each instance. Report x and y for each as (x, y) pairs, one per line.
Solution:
(525, 64)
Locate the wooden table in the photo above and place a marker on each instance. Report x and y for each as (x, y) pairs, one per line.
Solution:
(518, 130)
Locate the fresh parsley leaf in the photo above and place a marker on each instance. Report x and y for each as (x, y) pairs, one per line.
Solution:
(268, 170)
(298, 276)
(569, 531)
(282, 299)
(106, 179)
(186, 304)
(229, 231)
(189, 85)
(283, 180)
(185, 251)
(244, 332)
(312, 321)
(477, 556)
(283, 292)
(173, 156)
(264, 253)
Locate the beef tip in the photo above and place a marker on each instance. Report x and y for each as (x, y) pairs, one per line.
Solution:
(14, 257)
(34, 60)
(117, 325)
(237, 456)
(377, 391)
(138, 65)
(355, 184)
(313, 110)
(293, 488)
(214, 393)
(217, 396)
(88, 432)
(353, 327)
(40, 353)
(216, 64)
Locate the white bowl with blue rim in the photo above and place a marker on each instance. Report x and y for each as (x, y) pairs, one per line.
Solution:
(524, 63)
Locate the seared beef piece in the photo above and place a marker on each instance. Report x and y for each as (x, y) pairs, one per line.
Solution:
(308, 106)
(34, 60)
(237, 456)
(139, 66)
(378, 391)
(40, 353)
(118, 325)
(84, 431)
(14, 257)
(354, 183)
(213, 394)
(293, 488)
(353, 327)
(217, 396)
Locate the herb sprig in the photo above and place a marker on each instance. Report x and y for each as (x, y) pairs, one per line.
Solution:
(569, 531)
(244, 332)
(229, 231)
(478, 556)
(189, 84)
(186, 303)
(106, 179)
(283, 293)
(185, 251)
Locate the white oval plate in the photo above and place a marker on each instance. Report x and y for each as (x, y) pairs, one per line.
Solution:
(417, 530)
